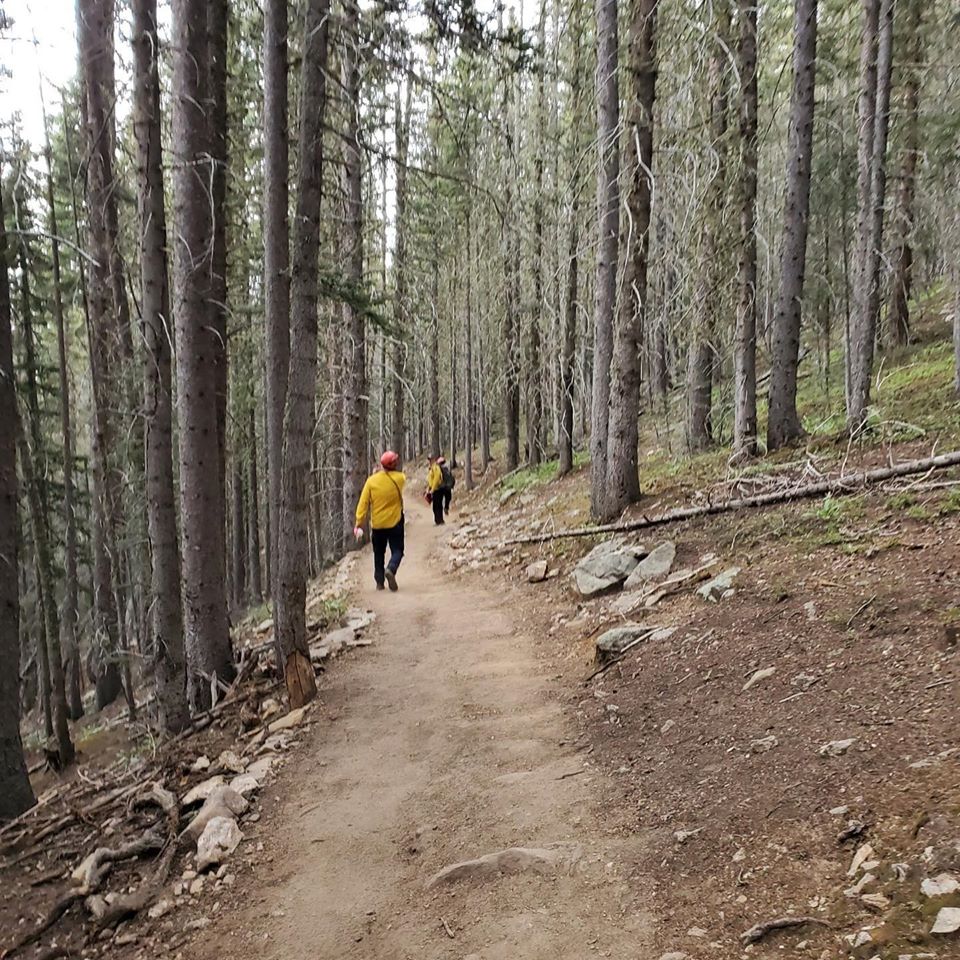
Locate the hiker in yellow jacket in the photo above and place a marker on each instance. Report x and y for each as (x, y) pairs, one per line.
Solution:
(434, 485)
(382, 498)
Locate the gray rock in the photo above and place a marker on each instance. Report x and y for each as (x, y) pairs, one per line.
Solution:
(512, 860)
(201, 791)
(837, 748)
(655, 565)
(613, 642)
(220, 837)
(942, 885)
(720, 586)
(358, 619)
(948, 921)
(605, 567)
(288, 721)
(758, 677)
(675, 955)
(764, 744)
(537, 571)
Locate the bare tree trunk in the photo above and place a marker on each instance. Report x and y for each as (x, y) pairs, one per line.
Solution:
(783, 424)
(623, 484)
(745, 338)
(354, 325)
(254, 582)
(48, 607)
(16, 794)
(702, 362)
(468, 360)
(95, 21)
(167, 614)
(239, 535)
(276, 259)
(876, 67)
(435, 353)
(902, 281)
(291, 626)
(608, 212)
(402, 309)
(216, 94)
(203, 565)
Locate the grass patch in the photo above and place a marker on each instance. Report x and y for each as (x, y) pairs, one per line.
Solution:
(527, 477)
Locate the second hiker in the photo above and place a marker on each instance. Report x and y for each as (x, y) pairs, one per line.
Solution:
(440, 481)
(382, 498)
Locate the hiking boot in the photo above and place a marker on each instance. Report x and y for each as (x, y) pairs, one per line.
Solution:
(392, 580)
(380, 586)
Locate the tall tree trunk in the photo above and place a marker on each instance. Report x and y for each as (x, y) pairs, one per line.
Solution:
(435, 353)
(568, 346)
(783, 424)
(216, 93)
(702, 355)
(354, 322)
(402, 310)
(301, 391)
(623, 484)
(745, 338)
(608, 213)
(16, 794)
(876, 67)
(898, 328)
(167, 616)
(239, 563)
(48, 608)
(276, 244)
(203, 565)
(95, 21)
(254, 582)
(468, 360)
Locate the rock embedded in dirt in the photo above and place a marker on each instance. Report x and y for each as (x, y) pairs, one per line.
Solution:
(668, 726)
(160, 909)
(220, 837)
(653, 566)
(861, 857)
(222, 802)
(675, 955)
(720, 587)
(606, 566)
(837, 748)
(764, 744)
(758, 676)
(228, 760)
(943, 885)
(948, 921)
(201, 791)
(245, 784)
(260, 768)
(512, 860)
(613, 642)
(200, 764)
(537, 571)
(288, 721)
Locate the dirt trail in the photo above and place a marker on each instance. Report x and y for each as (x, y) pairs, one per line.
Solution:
(448, 743)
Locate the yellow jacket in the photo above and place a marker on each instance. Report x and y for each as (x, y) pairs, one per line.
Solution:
(434, 478)
(382, 497)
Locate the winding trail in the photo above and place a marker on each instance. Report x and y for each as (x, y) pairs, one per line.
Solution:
(449, 742)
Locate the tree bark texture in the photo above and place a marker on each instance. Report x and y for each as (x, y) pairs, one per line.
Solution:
(402, 304)
(608, 214)
(745, 336)
(293, 554)
(206, 633)
(783, 424)
(354, 321)
(254, 579)
(95, 20)
(623, 484)
(16, 794)
(276, 258)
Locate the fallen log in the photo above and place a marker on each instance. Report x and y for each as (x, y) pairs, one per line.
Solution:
(842, 485)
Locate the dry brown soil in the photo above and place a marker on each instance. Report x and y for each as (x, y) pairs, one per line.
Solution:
(448, 741)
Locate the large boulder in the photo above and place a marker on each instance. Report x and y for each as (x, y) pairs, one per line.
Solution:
(606, 566)
(219, 839)
(653, 566)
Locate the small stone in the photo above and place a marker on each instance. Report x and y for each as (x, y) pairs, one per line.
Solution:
(810, 608)
(948, 921)
(697, 932)
(675, 955)
(228, 760)
(196, 888)
(245, 784)
(863, 854)
(682, 836)
(160, 909)
(875, 901)
(219, 839)
(201, 923)
(837, 748)
(537, 571)
(720, 586)
(668, 726)
(764, 744)
(286, 722)
(740, 856)
(201, 791)
(189, 875)
(839, 811)
(270, 708)
(200, 764)
(757, 677)
(615, 641)
(942, 885)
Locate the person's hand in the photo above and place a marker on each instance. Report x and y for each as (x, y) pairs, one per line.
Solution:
(357, 533)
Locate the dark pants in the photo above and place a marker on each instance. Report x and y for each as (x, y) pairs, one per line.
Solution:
(446, 495)
(381, 538)
(437, 504)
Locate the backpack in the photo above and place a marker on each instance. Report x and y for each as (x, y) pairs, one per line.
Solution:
(449, 480)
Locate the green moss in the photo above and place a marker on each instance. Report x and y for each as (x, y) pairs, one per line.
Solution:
(520, 480)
